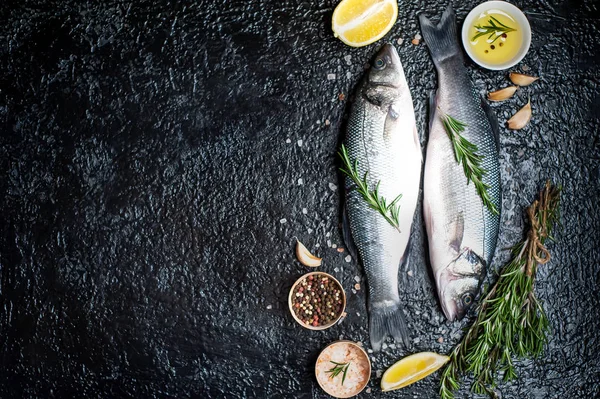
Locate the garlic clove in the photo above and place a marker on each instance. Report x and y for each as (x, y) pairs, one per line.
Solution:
(521, 80)
(305, 257)
(521, 118)
(502, 94)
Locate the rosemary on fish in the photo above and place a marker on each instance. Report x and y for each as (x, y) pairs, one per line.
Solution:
(337, 369)
(391, 211)
(511, 322)
(495, 28)
(465, 152)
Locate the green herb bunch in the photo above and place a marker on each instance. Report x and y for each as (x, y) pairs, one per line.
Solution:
(391, 211)
(511, 322)
(494, 28)
(338, 369)
(466, 154)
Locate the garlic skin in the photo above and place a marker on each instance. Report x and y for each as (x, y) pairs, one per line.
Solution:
(305, 257)
(521, 118)
(522, 80)
(502, 94)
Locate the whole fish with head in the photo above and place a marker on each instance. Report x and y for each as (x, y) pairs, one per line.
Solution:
(462, 231)
(382, 138)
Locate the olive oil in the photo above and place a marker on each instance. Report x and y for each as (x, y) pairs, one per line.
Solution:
(495, 37)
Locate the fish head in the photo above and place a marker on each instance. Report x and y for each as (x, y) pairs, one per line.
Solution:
(459, 282)
(385, 79)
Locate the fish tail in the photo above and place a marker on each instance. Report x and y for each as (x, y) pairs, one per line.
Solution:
(387, 319)
(441, 39)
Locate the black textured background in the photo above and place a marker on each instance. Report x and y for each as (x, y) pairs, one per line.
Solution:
(151, 156)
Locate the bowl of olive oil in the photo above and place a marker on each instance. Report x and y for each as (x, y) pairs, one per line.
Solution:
(496, 35)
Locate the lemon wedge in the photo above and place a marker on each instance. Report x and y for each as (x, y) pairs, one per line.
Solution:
(361, 22)
(411, 369)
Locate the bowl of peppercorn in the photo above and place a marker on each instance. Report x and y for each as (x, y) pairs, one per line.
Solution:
(317, 301)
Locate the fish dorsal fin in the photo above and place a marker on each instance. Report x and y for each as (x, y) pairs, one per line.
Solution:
(347, 235)
(458, 234)
(491, 116)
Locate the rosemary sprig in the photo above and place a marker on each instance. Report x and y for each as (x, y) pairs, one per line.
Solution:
(391, 211)
(465, 152)
(495, 27)
(511, 322)
(337, 369)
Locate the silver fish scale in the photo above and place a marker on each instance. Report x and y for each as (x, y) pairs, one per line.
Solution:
(375, 238)
(456, 194)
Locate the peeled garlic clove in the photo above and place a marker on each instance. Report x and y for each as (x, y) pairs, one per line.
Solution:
(305, 257)
(502, 94)
(521, 118)
(521, 80)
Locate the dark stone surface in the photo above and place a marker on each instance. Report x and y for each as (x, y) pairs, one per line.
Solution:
(145, 169)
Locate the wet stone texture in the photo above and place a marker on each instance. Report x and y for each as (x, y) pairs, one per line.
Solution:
(159, 159)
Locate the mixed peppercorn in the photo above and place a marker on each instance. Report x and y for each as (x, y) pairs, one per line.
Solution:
(317, 300)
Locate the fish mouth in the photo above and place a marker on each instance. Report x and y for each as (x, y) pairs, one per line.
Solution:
(449, 306)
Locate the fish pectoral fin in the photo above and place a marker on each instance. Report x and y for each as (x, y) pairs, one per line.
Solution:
(347, 235)
(458, 233)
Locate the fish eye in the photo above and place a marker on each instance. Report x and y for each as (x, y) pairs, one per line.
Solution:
(467, 299)
(379, 63)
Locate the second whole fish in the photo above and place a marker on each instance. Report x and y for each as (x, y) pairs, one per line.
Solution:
(462, 231)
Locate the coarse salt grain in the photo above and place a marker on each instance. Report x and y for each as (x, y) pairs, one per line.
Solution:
(332, 187)
(353, 291)
(300, 181)
(299, 143)
(337, 269)
(400, 41)
(328, 234)
(348, 58)
(334, 246)
(331, 76)
(288, 141)
(269, 306)
(378, 373)
(410, 273)
(348, 258)
(418, 36)
(304, 211)
(369, 350)
(282, 221)
(329, 243)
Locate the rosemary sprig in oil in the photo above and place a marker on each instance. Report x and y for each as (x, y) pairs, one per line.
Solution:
(391, 211)
(511, 322)
(465, 152)
(337, 369)
(495, 28)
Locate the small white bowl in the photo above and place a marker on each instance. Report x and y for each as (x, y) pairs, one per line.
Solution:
(512, 11)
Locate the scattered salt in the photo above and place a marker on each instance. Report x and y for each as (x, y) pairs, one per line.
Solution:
(353, 291)
(282, 221)
(334, 246)
(329, 243)
(368, 390)
(369, 350)
(337, 269)
(384, 346)
(378, 373)
(332, 187)
(441, 339)
(357, 279)
(525, 67)
(328, 234)
(300, 181)
(299, 143)
(417, 340)
(269, 306)
(288, 141)
(317, 245)
(331, 76)
(400, 41)
(341, 337)
(418, 37)
(358, 314)
(348, 258)
(348, 59)
(392, 346)
(304, 211)
(310, 230)
(410, 273)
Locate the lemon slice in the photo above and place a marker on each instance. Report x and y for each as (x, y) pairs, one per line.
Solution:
(361, 22)
(411, 369)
